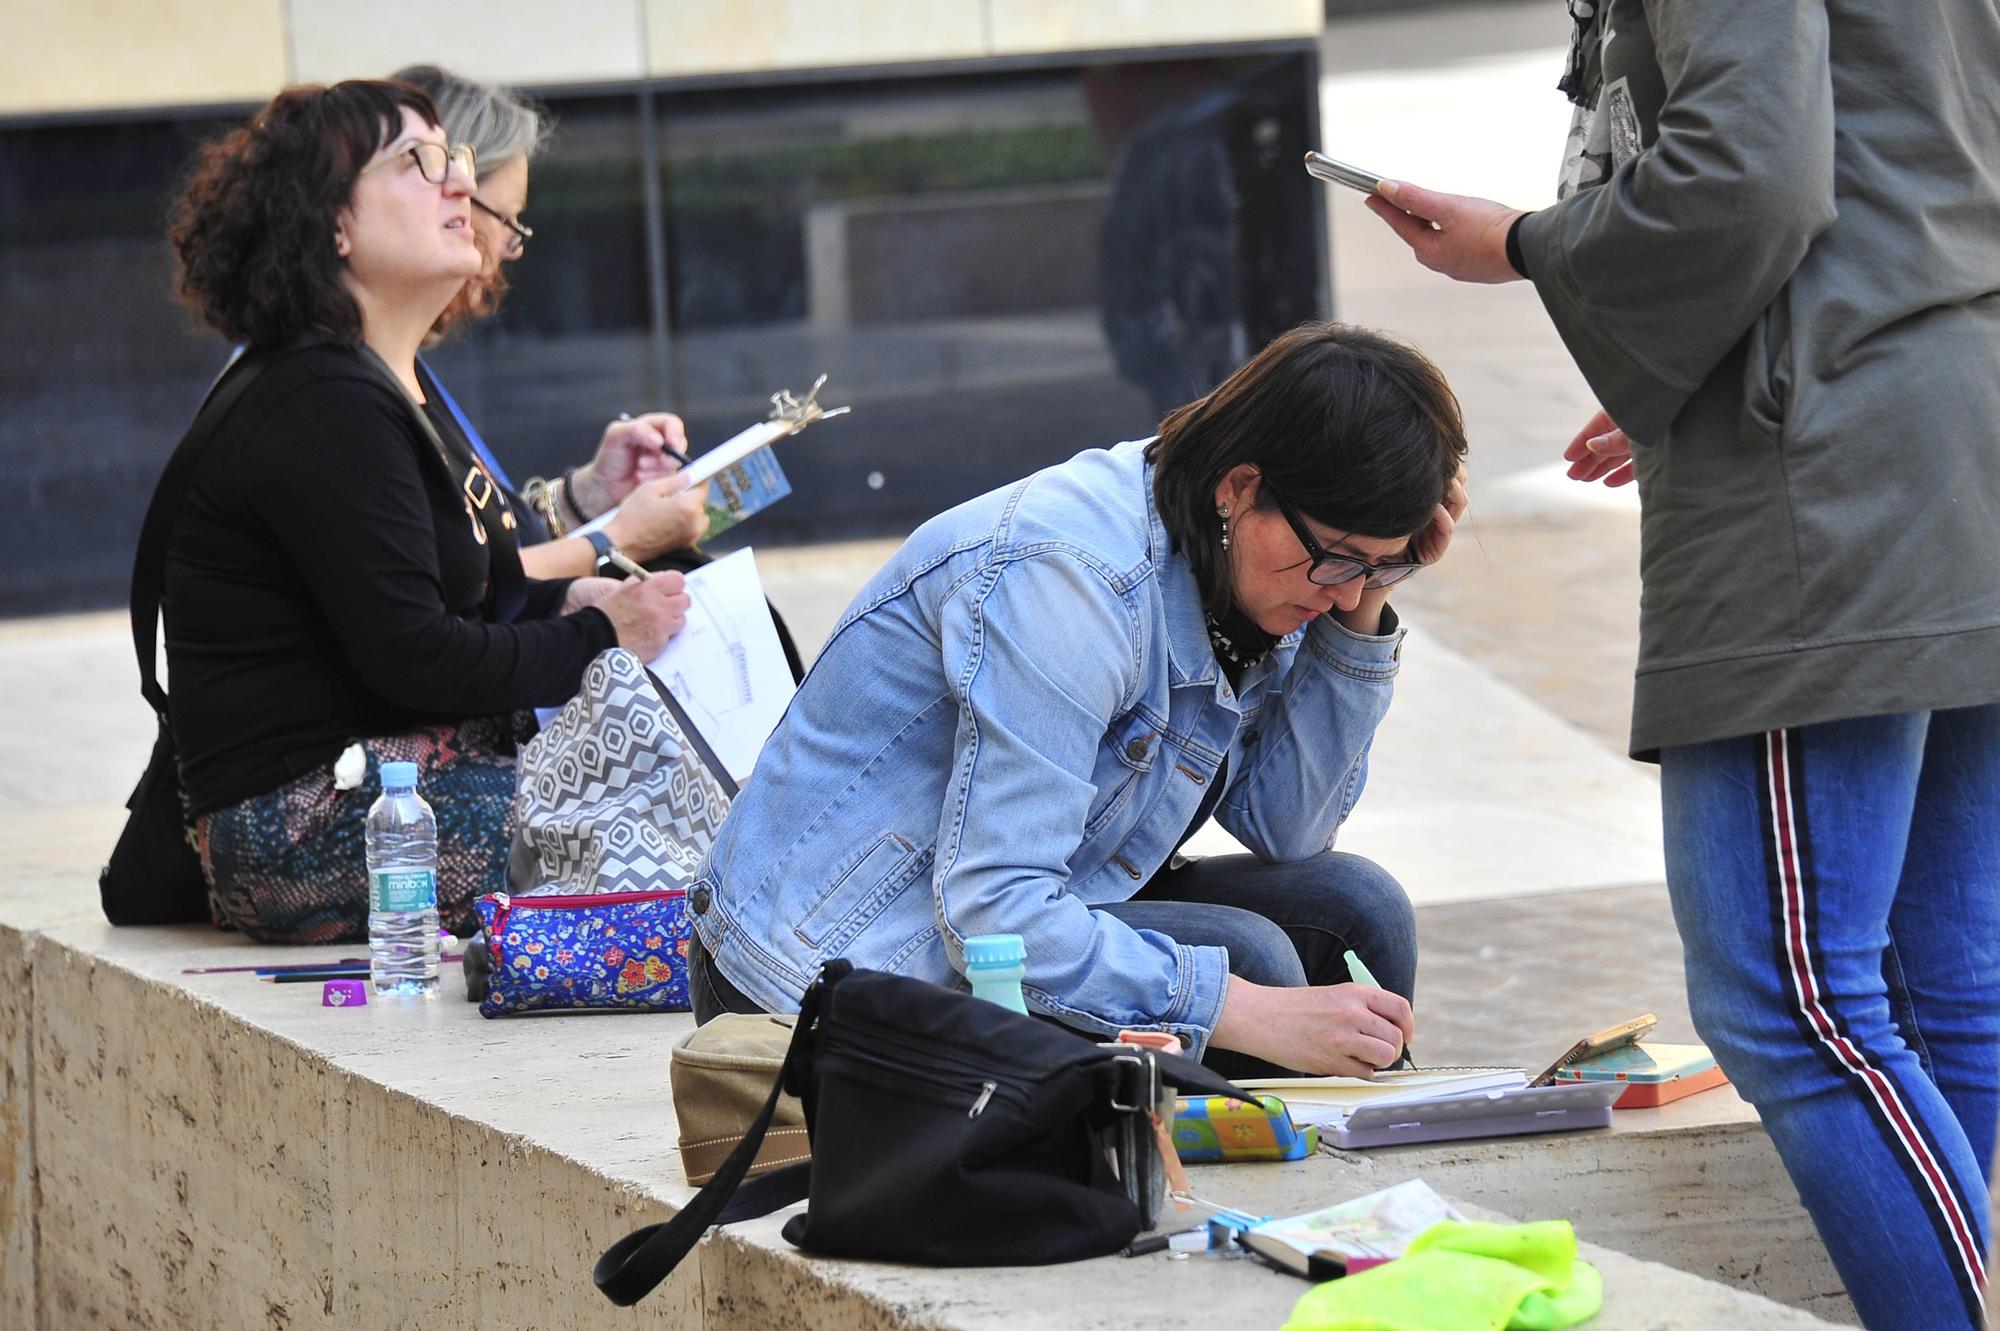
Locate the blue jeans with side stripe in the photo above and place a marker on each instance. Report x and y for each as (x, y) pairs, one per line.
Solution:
(1838, 890)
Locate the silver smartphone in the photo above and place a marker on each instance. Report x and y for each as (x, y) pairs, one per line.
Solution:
(1322, 167)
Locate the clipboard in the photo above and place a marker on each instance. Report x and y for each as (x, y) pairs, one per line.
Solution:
(1519, 1112)
(789, 414)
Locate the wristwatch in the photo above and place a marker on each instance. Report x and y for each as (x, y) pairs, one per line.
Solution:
(601, 543)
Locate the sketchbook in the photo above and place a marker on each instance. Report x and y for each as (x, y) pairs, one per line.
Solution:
(726, 665)
(1454, 1103)
(1329, 1101)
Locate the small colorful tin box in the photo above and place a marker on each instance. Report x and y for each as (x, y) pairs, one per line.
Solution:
(1213, 1127)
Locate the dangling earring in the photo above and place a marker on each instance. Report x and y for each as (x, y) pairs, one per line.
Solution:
(1225, 527)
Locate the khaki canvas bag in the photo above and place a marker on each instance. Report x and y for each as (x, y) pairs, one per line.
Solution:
(722, 1073)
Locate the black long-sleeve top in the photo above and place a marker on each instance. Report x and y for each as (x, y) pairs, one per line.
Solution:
(328, 579)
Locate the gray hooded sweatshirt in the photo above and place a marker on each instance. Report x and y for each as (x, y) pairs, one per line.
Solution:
(1782, 278)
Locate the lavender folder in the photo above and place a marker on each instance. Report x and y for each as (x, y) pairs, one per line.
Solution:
(1514, 1112)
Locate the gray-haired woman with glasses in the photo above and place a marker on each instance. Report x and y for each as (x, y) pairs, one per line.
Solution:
(636, 459)
(658, 522)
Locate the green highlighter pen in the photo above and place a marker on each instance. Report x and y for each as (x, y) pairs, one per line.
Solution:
(1360, 975)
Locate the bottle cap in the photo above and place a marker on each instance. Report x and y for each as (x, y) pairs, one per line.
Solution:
(344, 993)
(995, 950)
(399, 776)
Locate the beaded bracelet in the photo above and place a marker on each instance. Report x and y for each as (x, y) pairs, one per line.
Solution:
(566, 494)
(558, 528)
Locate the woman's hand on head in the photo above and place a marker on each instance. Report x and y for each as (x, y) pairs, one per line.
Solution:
(1464, 238)
(645, 612)
(632, 452)
(1435, 539)
(1341, 1030)
(659, 516)
(1600, 452)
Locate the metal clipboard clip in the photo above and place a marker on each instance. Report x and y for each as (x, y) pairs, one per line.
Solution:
(798, 413)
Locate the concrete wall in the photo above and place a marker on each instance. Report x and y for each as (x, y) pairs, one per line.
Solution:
(82, 55)
(76, 55)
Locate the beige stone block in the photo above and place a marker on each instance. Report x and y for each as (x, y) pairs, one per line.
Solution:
(686, 37)
(17, 1117)
(183, 1169)
(507, 41)
(218, 1152)
(73, 55)
(1035, 26)
(200, 1170)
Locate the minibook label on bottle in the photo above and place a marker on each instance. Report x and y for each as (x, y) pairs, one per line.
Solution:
(402, 889)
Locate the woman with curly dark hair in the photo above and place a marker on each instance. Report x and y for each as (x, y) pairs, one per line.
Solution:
(342, 588)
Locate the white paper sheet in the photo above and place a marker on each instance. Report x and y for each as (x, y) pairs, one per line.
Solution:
(726, 665)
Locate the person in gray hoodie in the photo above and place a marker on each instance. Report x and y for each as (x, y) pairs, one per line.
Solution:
(1776, 259)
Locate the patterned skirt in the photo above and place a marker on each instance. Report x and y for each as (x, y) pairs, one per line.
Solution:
(290, 866)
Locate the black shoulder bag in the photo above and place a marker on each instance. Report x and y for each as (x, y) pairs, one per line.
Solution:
(946, 1131)
(154, 876)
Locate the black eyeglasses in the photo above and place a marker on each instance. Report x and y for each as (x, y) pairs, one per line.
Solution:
(434, 161)
(1329, 569)
(522, 234)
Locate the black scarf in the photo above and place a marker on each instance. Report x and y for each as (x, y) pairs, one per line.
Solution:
(1585, 67)
(1238, 643)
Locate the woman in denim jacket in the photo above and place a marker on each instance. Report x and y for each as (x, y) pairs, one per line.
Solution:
(1050, 687)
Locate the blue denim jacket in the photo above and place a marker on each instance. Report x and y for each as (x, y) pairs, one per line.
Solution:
(1014, 722)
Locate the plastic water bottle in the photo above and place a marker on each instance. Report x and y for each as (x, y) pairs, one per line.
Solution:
(402, 887)
(994, 965)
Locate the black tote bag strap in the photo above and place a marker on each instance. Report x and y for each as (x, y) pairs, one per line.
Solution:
(631, 1268)
(149, 565)
(702, 748)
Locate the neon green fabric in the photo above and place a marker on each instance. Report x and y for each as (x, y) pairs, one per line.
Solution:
(1464, 1276)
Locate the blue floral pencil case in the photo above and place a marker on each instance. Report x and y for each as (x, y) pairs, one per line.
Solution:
(611, 951)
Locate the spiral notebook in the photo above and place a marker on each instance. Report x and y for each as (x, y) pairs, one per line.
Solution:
(1330, 1101)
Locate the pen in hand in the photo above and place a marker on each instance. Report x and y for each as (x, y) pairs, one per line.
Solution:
(1360, 975)
(665, 447)
(631, 566)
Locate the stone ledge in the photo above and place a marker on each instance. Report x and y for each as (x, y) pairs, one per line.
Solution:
(211, 1150)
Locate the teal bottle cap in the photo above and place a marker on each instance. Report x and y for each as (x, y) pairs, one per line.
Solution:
(995, 950)
(399, 776)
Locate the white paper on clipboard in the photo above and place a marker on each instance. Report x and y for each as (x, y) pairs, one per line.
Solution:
(726, 666)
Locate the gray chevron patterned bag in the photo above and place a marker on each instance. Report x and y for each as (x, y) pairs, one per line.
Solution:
(620, 793)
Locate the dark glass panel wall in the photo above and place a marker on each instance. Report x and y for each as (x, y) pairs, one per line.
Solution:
(100, 368)
(997, 268)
